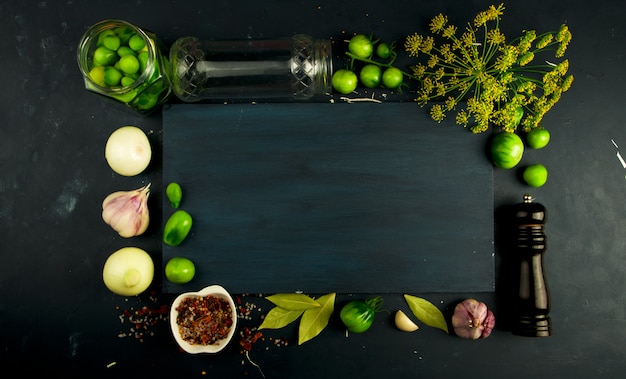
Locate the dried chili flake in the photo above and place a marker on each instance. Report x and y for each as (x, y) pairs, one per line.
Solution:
(204, 320)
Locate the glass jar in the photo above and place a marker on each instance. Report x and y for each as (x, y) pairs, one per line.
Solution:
(126, 63)
(294, 68)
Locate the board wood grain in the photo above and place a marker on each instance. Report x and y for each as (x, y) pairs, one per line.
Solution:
(352, 198)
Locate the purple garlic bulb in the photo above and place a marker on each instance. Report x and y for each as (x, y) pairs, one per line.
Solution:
(472, 319)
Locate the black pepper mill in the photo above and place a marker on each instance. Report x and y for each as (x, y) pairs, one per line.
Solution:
(533, 301)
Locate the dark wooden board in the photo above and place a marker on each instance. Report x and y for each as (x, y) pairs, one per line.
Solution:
(354, 198)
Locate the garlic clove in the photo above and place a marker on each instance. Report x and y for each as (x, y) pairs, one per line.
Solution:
(472, 319)
(404, 323)
(127, 211)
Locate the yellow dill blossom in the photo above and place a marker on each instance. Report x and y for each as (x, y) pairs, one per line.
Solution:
(462, 118)
(418, 70)
(494, 13)
(440, 73)
(495, 77)
(526, 58)
(447, 55)
(412, 44)
(449, 32)
(450, 103)
(428, 86)
(562, 67)
(437, 112)
(526, 87)
(567, 83)
(438, 23)
(544, 41)
(440, 89)
(422, 99)
(507, 58)
(506, 78)
(481, 19)
(563, 37)
(495, 37)
(427, 45)
(526, 42)
(432, 61)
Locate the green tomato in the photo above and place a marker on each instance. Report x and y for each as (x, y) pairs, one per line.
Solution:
(361, 46)
(370, 75)
(180, 270)
(111, 42)
(344, 81)
(358, 315)
(104, 57)
(97, 75)
(538, 138)
(112, 76)
(177, 228)
(136, 42)
(392, 78)
(507, 150)
(383, 51)
(174, 194)
(535, 175)
(129, 64)
(519, 113)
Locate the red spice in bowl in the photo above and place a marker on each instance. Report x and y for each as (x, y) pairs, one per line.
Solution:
(204, 321)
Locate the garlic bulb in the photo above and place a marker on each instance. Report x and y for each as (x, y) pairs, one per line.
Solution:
(472, 319)
(127, 211)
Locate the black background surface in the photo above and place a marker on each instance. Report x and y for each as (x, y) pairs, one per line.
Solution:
(57, 316)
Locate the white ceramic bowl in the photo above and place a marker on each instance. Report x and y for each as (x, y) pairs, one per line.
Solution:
(214, 290)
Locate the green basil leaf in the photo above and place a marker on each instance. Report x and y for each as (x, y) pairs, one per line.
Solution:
(279, 317)
(314, 320)
(293, 301)
(426, 312)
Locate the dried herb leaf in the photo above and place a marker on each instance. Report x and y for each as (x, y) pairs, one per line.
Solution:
(279, 317)
(426, 312)
(293, 301)
(314, 320)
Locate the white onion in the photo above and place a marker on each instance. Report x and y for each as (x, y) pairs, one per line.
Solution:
(128, 151)
(128, 271)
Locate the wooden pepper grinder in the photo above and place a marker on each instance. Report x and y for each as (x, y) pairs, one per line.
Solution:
(533, 302)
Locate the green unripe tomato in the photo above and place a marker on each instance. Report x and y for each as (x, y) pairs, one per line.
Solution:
(344, 81)
(535, 175)
(177, 228)
(357, 316)
(507, 150)
(370, 75)
(97, 75)
(174, 194)
(129, 64)
(538, 138)
(111, 42)
(180, 270)
(136, 42)
(125, 50)
(112, 76)
(383, 51)
(361, 46)
(104, 57)
(392, 78)
(127, 80)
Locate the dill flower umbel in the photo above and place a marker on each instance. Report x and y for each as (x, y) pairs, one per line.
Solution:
(499, 80)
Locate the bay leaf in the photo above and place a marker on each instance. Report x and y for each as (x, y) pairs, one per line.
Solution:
(314, 320)
(293, 301)
(279, 317)
(426, 312)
